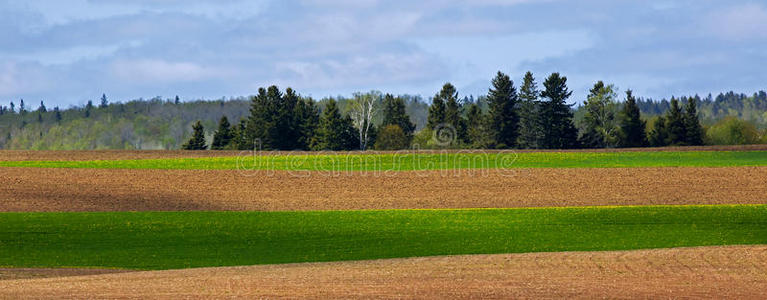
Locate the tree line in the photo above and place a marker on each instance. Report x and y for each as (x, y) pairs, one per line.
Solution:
(526, 118)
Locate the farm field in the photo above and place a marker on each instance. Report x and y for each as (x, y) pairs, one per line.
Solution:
(731, 272)
(408, 161)
(507, 229)
(172, 240)
(39, 189)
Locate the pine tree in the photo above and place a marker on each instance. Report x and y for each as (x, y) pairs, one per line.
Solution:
(632, 126)
(677, 134)
(104, 103)
(453, 110)
(504, 117)
(286, 132)
(530, 127)
(559, 132)
(394, 114)
(42, 107)
(197, 142)
(336, 132)
(22, 108)
(693, 129)
(177, 100)
(260, 126)
(13, 108)
(223, 136)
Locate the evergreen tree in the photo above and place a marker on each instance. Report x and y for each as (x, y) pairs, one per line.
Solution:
(632, 126)
(600, 129)
(659, 133)
(197, 142)
(504, 117)
(260, 126)
(394, 114)
(336, 132)
(22, 108)
(693, 129)
(677, 134)
(13, 107)
(223, 136)
(42, 107)
(88, 108)
(453, 110)
(177, 101)
(57, 114)
(559, 132)
(104, 103)
(286, 131)
(478, 132)
(530, 127)
(308, 119)
(436, 112)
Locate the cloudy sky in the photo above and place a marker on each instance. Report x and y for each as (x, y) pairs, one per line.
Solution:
(66, 52)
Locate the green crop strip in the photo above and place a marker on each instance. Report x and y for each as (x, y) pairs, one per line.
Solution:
(422, 161)
(168, 240)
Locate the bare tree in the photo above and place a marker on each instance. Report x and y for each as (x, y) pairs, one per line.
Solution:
(362, 110)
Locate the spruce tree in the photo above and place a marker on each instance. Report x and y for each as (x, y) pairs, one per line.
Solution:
(104, 103)
(632, 126)
(57, 114)
(478, 133)
(693, 129)
(177, 100)
(659, 133)
(559, 132)
(453, 110)
(436, 112)
(336, 132)
(308, 120)
(197, 142)
(394, 114)
(504, 117)
(530, 127)
(223, 135)
(675, 125)
(42, 107)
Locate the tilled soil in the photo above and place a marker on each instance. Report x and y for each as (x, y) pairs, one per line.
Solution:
(59, 155)
(709, 272)
(37, 189)
(30, 273)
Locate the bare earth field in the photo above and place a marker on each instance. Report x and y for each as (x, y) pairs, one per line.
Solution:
(58, 155)
(35, 189)
(721, 272)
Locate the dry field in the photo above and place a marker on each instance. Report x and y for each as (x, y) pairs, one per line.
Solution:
(732, 272)
(34, 189)
(57, 155)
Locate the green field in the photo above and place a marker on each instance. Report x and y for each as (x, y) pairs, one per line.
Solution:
(422, 161)
(168, 240)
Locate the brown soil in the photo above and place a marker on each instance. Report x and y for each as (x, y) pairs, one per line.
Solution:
(710, 272)
(33, 189)
(26, 155)
(30, 273)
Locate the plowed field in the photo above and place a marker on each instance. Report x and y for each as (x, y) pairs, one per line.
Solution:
(722, 272)
(35, 189)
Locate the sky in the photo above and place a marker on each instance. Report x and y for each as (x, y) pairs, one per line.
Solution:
(67, 52)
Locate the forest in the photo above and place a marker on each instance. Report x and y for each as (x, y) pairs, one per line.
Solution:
(524, 116)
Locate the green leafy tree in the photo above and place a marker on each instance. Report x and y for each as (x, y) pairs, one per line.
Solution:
(392, 137)
(559, 132)
(677, 133)
(733, 131)
(197, 142)
(530, 127)
(223, 135)
(693, 129)
(633, 128)
(504, 117)
(600, 129)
